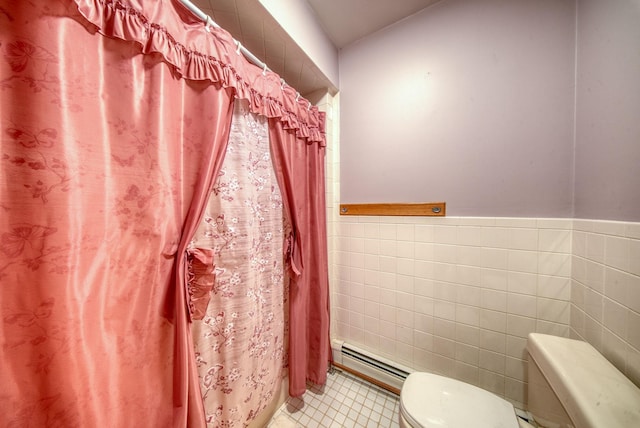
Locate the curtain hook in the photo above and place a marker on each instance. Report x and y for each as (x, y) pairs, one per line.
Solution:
(264, 69)
(297, 96)
(239, 47)
(207, 24)
(309, 106)
(283, 83)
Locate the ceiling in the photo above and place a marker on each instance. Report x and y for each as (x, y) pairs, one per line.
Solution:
(344, 21)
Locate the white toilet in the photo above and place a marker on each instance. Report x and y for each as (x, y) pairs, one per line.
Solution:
(570, 385)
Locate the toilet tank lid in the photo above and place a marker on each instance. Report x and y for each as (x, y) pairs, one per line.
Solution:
(593, 392)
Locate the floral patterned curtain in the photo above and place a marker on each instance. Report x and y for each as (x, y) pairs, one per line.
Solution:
(237, 261)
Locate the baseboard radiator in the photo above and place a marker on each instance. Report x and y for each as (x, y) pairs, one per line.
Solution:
(373, 368)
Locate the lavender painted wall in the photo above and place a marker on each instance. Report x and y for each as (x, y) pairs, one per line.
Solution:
(607, 183)
(469, 102)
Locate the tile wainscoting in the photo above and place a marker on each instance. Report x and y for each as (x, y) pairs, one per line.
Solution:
(459, 295)
(605, 291)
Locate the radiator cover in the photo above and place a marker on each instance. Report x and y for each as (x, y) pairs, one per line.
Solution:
(369, 364)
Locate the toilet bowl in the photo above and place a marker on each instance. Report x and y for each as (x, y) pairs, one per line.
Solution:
(429, 401)
(570, 385)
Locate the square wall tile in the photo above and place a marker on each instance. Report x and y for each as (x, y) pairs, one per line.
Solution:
(405, 232)
(516, 347)
(469, 315)
(495, 279)
(634, 256)
(516, 369)
(491, 381)
(466, 372)
(554, 241)
(523, 261)
(553, 310)
(467, 334)
(444, 309)
(494, 258)
(445, 234)
(424, 306)
(615, 317)
(579, 243)
(496, 237)
(524, 239)
(469, 236)
(556, 264)
(522, 304)
(493, 320)
(493, 300)
(467, 353)
(423, 341)
(372, 230)
(445, 253)
(444, 328)
(404, 318)
(493, 341)
(388, 248)
(520, 326)
(554, 287)
(523, 283)
(515, 391)
(469, 295)
(406, 249)
(405, 284)
(424, 233)
(492, 361)
(423, 251)
(444, 347)
(388, 231)
(595, 247)
(595, 276)
(617, 252)
(423, 323)
(552, 328)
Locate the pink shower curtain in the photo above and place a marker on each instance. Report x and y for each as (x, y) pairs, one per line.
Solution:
(101, 149)
(300, 170)
(108, 147)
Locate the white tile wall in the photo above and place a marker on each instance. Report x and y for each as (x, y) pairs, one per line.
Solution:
(458, 296)
(453, 294)
(605, 291)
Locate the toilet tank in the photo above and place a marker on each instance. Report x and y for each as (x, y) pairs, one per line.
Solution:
(572, 385)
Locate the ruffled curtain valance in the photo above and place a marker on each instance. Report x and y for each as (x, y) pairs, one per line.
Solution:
(211, 55)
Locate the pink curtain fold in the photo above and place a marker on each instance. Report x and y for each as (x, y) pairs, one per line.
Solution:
(114, 119)
(300, 168)
(189, 409)
(102, 149)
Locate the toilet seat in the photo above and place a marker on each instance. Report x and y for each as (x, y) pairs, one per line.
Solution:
(431, 401)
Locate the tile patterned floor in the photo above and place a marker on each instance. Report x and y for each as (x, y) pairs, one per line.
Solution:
(346, 401)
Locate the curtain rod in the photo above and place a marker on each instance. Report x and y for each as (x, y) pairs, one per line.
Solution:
(251, 57)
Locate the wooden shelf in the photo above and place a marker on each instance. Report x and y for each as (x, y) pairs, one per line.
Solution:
(426, 209)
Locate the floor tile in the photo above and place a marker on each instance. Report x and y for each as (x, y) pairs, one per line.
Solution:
(346, 401)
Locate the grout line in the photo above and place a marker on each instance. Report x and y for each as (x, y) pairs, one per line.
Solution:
(370, 406)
